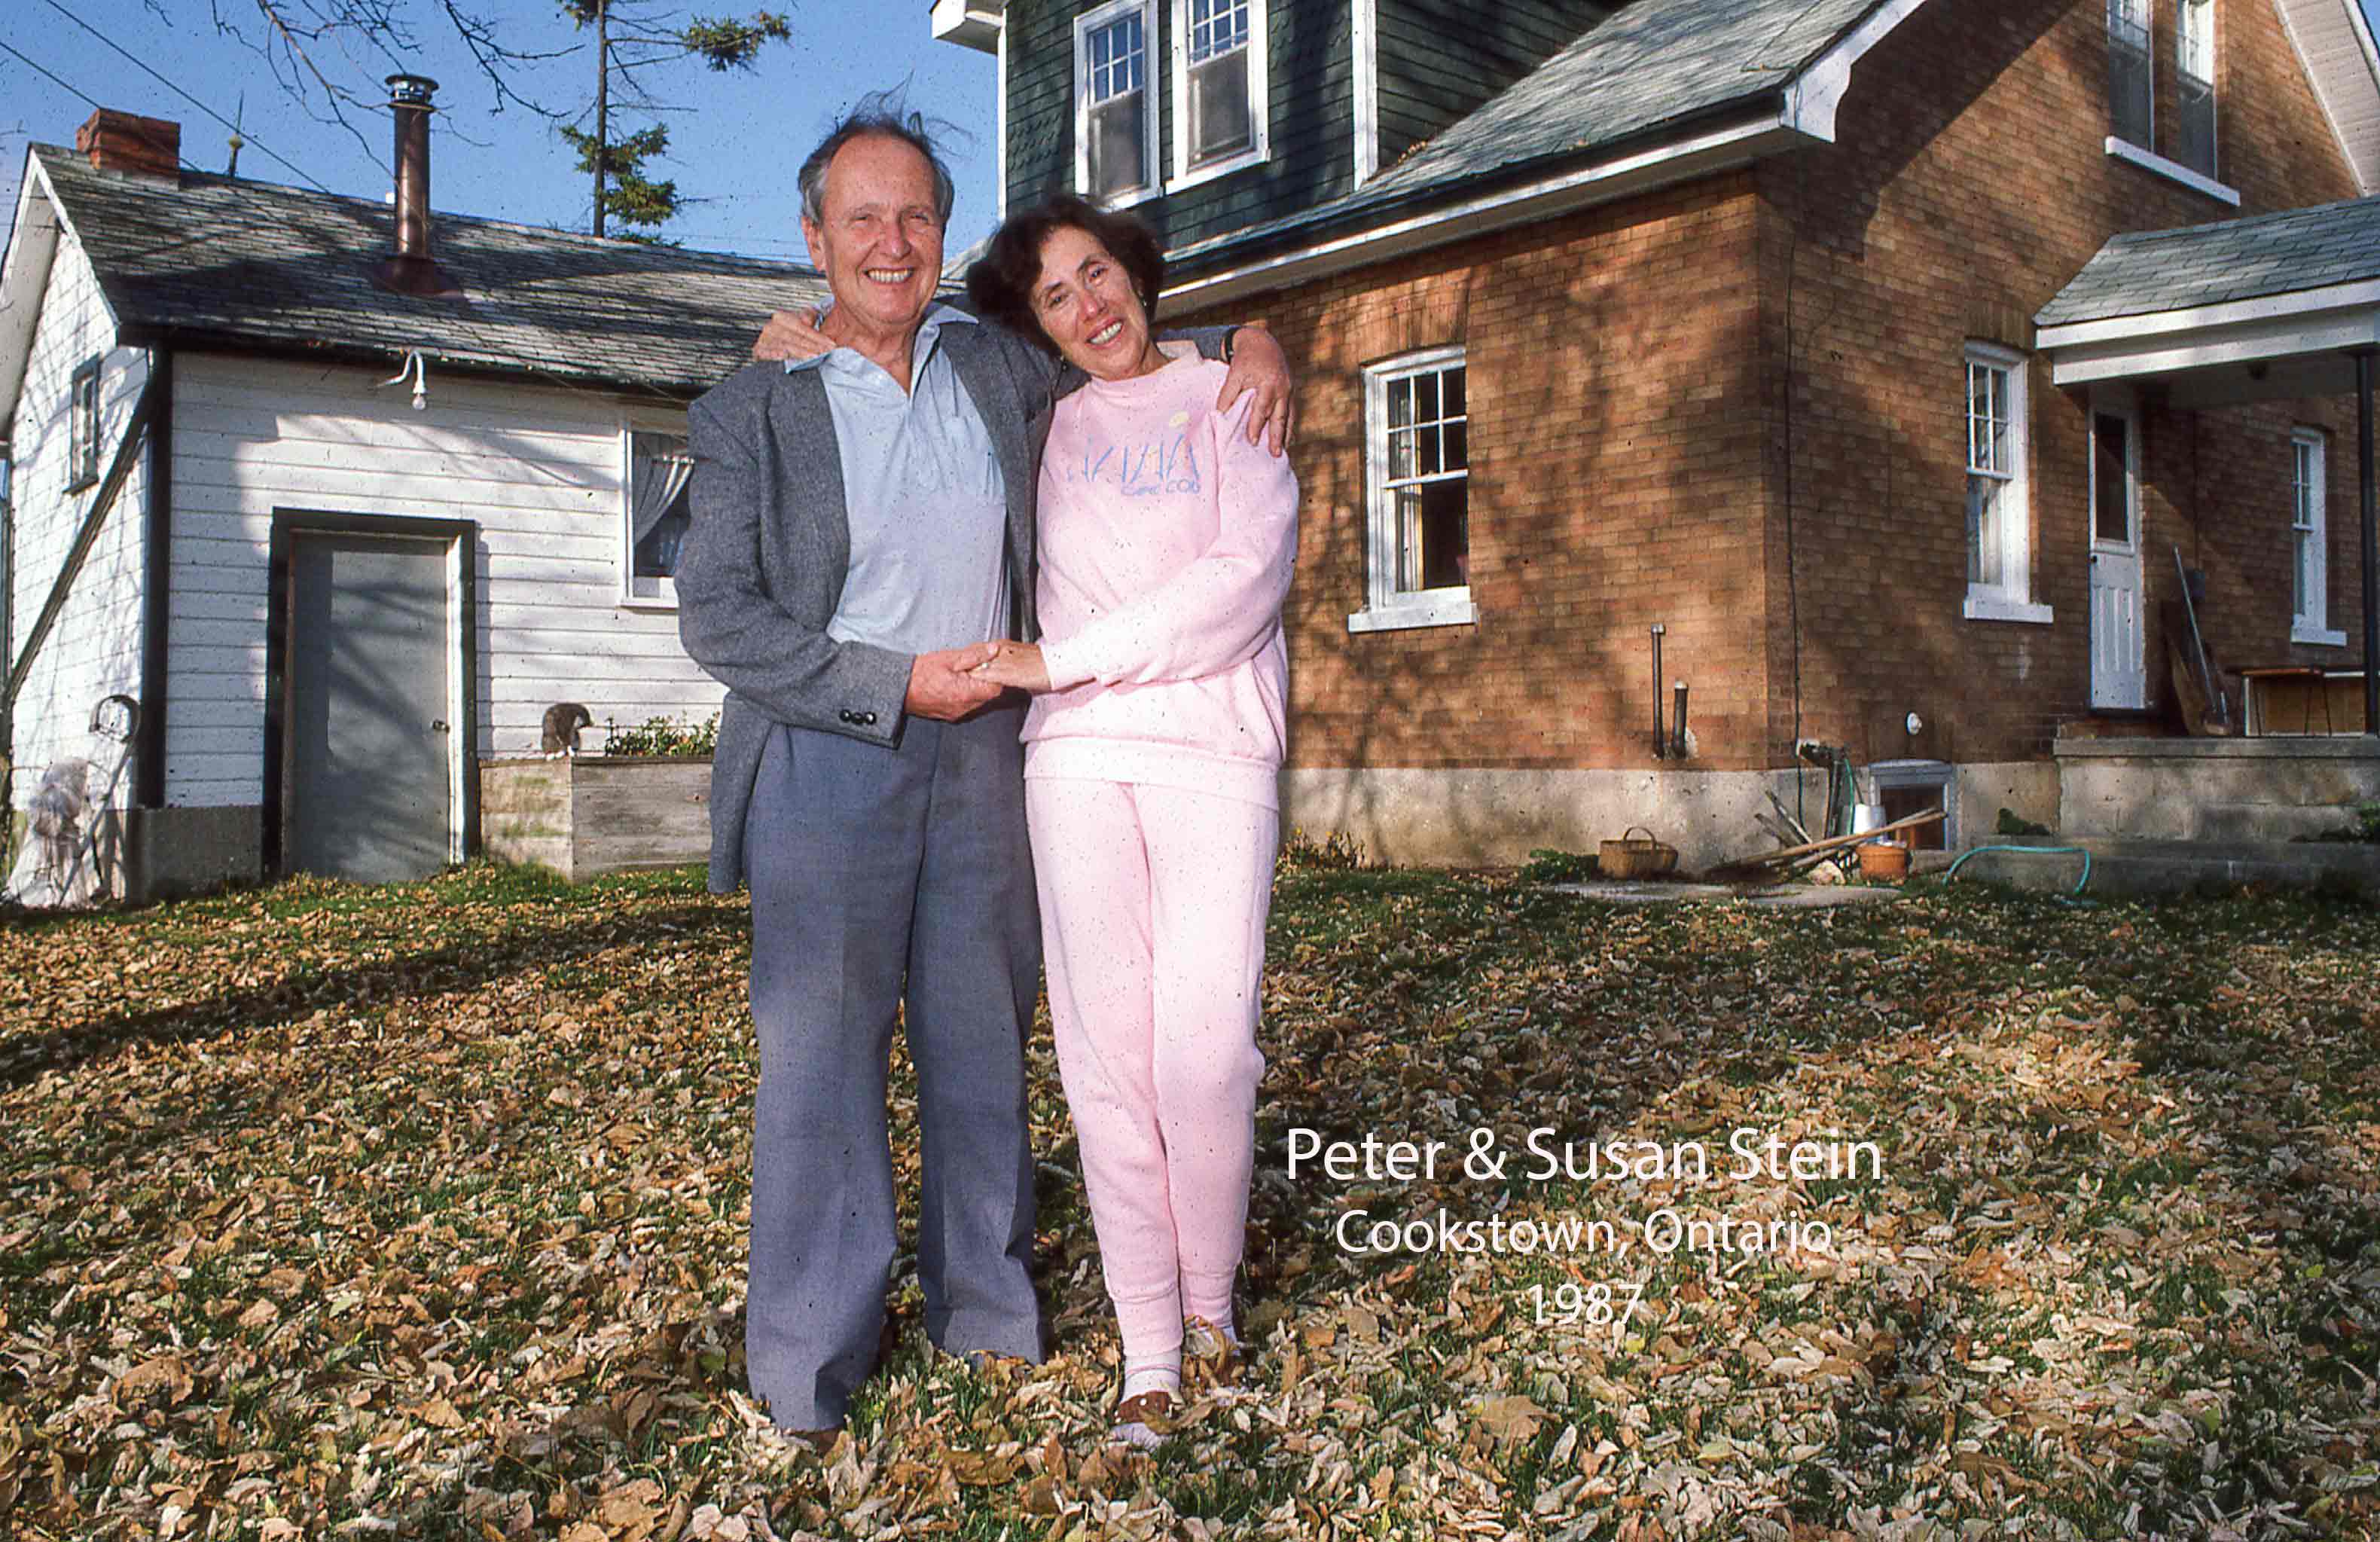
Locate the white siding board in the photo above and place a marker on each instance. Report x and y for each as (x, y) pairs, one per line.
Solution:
(536, 469)
(93, 650)
(2345, 72)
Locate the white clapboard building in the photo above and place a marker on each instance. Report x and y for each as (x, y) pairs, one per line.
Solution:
(342, 496)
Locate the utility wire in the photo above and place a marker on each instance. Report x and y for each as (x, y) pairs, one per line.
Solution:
(176, 91)
(45, 74)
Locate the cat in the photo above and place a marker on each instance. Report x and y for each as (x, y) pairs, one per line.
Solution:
(563, 721)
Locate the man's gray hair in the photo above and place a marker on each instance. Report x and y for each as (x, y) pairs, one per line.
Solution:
(882, 113)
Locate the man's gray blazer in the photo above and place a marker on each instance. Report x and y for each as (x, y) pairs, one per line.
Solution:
(762, 566)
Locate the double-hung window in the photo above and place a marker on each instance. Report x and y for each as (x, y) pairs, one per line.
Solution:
(2309, 540)
(658, 512)
(1999, 513)
(1218, 86)
(2193, 138)
(1115, 105)
(2131, 75)
(1418, 486)
(82, 426)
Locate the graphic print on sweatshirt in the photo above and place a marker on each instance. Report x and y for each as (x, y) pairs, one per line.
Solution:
(1143, 469)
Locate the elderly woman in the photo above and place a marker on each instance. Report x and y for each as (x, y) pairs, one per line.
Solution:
(1152, 751)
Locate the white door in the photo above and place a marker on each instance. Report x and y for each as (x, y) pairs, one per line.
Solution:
(2119, 676)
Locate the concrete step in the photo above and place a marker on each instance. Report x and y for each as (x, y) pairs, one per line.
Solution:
(2122, 869)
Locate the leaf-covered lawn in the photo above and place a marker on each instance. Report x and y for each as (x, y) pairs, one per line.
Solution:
(417, 1211)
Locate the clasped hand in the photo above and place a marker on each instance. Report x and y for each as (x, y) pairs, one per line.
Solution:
(1015, 665)
(953, 682)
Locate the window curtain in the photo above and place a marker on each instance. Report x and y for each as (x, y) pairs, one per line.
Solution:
(659, 466)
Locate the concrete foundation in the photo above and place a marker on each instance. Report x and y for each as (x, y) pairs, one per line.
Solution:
(1480, 817)
(2265, 789)
(172, 852)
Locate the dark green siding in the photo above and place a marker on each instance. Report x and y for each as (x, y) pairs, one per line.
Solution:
(1438, 59)
(1311, 132)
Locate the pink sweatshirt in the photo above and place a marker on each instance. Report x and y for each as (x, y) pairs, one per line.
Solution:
(1166, 545)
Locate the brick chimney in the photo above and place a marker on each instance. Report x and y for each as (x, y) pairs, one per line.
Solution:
(409, 270)
(120, 141)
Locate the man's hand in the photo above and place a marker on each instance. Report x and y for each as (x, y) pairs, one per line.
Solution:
(1258, 365)
(1018, 664)
(940, 688)
(792, 335)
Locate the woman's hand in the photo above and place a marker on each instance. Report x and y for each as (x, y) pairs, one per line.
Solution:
(1015, 664)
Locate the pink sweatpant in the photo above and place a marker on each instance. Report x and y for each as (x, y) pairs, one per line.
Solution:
(1153, 904)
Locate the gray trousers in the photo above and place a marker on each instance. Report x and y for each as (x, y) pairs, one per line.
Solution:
(883, 880)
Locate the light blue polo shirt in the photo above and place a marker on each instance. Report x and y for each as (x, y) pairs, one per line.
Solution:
(926, 500)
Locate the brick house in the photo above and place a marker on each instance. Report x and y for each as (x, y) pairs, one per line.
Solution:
(1718, 319)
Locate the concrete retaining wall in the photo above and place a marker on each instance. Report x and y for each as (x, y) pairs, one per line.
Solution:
(2267, 789)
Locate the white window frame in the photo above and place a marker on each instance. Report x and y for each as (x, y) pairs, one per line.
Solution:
(83, 425)
(1387, 607)
(2187, 70)
(1259, 99)
(2310, 538)
(2012, 598)
(1364, 25)
(665, 587)
(1084, 25)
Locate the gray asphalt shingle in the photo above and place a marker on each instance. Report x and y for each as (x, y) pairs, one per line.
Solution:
(234, 261)
(2261, 255)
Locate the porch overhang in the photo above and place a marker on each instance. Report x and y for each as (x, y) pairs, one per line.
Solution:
(970, 23)
(2197, 357)
(2273, 307)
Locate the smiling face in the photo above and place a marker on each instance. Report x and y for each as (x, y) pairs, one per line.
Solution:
(1085, 302)
(881, 243)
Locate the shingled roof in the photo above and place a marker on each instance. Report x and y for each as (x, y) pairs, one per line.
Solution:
(1654, 67)
(223, 262)
(2284, 254)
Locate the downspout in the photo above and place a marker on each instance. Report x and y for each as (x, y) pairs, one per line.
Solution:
(157, 592)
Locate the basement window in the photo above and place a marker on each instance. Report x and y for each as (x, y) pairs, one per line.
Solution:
(1906, 787)
(1115, 114)
(659, 513)
(82, 427)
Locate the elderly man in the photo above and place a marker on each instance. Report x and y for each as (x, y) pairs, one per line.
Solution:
(863, 527)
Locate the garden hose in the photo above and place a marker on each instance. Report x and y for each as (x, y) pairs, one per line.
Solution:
(2037, 851)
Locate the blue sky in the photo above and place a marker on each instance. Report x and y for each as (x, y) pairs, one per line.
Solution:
(737, 151)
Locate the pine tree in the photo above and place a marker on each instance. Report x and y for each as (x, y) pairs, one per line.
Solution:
(630, 40)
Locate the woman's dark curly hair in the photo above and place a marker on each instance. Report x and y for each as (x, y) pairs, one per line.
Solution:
(1001, 282)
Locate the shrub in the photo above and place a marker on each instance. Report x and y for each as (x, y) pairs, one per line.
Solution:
(2366, 830)
(1546, 866)
(1338, 852)
(663, 736)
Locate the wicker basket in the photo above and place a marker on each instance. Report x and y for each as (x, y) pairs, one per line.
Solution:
(1885, 860)
(1629, 857)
